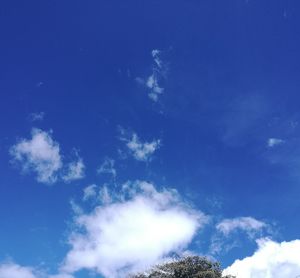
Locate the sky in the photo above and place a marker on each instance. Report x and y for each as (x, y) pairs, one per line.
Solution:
(133, 132)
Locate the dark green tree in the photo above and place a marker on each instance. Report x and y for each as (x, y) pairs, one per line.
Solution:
(186, 267)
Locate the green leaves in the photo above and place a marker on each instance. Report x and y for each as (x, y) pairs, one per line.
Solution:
(187, 267)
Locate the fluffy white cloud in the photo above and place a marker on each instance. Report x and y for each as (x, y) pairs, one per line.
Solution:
(271, 260)
(75, 170)
(141, 151)
(248, 224)
(40, 154)
(136, 229)
(12, 270)
(272, 142)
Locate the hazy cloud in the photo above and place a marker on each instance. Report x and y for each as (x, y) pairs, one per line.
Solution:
(247, 224)
(36, 117)
(152, 82)
(272, 142)
(141, 151)
(75, 170)
(40, 154)
(108, 167)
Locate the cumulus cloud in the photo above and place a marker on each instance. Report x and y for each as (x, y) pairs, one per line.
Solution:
(41, 154)
(141, 151)
(272, 142)
(108, 167)
(75, 170)
(12, 270)
(139, 227)
(271, 260)
(248, 224)
(152, 82)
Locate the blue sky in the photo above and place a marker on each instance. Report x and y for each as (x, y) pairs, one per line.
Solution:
(184, 111)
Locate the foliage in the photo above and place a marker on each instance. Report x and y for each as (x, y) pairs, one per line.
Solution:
(187, 267)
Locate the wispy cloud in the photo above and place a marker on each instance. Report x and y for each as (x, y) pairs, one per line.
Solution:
(249, 225)
(228, 233)
(140, 226)
(152, 82)
(271, 260)
(272, 142)
(89, 192)
(141, 151)
(36, 117)
(41, 155)
(75, 170)
(108, 167)
(13, 270)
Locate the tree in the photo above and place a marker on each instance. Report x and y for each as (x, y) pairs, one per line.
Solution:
(187, 267)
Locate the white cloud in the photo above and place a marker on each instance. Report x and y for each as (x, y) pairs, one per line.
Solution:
(272, 142)
(141, 151)
(89, 192)
(271, 260)
(75, 170)
(248, 224)
(12, 270)
(135, 230)
(38, 116)
(108, 167)
(62, 275)
(155, 89)
(152, 82)
(40, 154)
(222, 241)
(156, 57)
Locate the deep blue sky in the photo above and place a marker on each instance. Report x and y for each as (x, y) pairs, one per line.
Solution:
(232, 84)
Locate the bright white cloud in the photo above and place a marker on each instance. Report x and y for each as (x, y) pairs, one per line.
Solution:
(12, 270)
(40, 154)
(75, 170)
(272, 142)
(248, 224)
(108, 167)
(141, 151)
(271, 260)
(135, 230)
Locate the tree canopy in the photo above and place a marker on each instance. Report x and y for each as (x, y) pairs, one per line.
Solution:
(186, 267)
